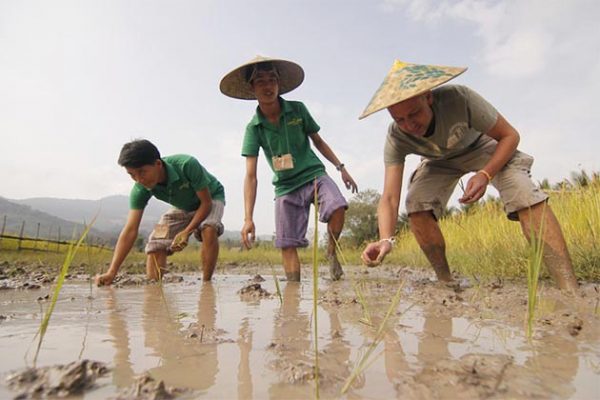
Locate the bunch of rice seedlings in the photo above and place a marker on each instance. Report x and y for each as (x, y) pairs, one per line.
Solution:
(72, 250)
(536, 247)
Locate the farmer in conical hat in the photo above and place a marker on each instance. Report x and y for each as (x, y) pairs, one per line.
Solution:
(456, 132)
(284, 131)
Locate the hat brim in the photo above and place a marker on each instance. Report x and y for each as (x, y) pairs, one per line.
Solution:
(407, 81)
(234, 84)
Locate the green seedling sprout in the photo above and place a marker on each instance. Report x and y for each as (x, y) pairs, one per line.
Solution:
(364, 361)
(316, 288)
(72, 250)
(277, 287)
(366, 319)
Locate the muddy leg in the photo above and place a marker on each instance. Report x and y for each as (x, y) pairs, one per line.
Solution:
(156, 264)
(334, 227)
(429, 236)
(291, 264)
(210, 252)
(556, 255)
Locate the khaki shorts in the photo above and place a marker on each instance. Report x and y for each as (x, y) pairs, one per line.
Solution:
(433, 182)
(175, 220)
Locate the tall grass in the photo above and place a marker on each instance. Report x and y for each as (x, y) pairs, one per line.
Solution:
(483, 242)
(59, 282)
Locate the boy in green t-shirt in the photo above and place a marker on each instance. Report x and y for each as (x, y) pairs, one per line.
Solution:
(198, 200)
(283, 129)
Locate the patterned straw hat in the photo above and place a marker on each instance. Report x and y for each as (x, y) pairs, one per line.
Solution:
(407, 80)
(236, 85)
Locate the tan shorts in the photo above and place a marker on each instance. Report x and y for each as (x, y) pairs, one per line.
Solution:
(433, 182)
(175, 220)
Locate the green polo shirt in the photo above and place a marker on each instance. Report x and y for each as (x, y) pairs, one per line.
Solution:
(185, 177)
(290, 135)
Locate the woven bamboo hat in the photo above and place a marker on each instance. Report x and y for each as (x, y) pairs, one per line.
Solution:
(407, 80)
(236, 83)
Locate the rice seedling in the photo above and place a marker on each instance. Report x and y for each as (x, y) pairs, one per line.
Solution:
(366, 319)
(277, 287)
(316, 287)
(536, 247)
(59, 282)
(364, 362)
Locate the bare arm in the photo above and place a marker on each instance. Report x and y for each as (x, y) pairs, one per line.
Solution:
(508, 140)
(326, 151)
(250, 184)
(387, 215)
(127, 238)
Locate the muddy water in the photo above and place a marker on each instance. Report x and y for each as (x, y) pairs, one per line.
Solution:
(217, 343)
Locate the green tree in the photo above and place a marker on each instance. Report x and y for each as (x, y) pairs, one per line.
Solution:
(361, 217)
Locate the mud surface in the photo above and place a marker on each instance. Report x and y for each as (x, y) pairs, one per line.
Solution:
(241, 337)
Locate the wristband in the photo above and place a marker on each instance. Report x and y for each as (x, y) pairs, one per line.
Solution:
(339, 167)
(391, 240)
(487, 175)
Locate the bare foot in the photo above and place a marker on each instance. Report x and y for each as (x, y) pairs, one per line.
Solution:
(335, 269)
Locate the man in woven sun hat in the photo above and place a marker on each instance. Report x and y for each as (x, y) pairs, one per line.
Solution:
(284, 131)
(455, 131)
(198, 201)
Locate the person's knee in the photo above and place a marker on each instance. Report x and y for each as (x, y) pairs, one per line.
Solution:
(209, 234)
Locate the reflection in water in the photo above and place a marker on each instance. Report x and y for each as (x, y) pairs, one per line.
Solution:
(291, 344)
(433, 344)
(244, 374)
(197, 359)
(122, 371)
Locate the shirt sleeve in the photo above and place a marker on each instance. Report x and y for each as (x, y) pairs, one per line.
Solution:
(310, 125)
(251, 143)
(138, 197)
(482, 115)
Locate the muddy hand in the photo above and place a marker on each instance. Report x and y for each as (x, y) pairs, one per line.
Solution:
(179, 242)
(374, 253)
(104, 279)
(475, 189)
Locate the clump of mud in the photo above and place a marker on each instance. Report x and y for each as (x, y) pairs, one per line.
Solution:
(206, 335)
(56, 381)
(253, 291)
(146, 387)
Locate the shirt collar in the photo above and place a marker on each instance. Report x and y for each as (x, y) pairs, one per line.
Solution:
(259, 118)
(172, 175)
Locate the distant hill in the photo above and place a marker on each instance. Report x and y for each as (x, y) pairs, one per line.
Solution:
(112, 211)
(49, 225)
(111, 214)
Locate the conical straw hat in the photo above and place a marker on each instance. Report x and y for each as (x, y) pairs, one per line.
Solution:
(235, 85)
(407, 80)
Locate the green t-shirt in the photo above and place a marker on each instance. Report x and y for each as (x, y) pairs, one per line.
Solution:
(461, 117)
(290, 135)
(185, 177)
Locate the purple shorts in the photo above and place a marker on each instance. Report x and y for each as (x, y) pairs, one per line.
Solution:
(292, 211)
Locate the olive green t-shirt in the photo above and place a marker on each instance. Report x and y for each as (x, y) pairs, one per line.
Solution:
(461, 117)
(290, 135)
(185, 177)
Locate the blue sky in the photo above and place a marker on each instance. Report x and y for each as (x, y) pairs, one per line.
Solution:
(80, 78)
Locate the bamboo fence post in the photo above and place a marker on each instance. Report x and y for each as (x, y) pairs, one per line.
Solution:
(21, 235)
(3, 226)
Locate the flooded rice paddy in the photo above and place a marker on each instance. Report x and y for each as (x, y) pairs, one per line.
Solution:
(188, 339)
